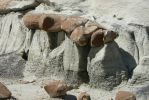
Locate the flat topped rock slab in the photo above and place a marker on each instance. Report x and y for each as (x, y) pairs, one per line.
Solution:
(7, 6)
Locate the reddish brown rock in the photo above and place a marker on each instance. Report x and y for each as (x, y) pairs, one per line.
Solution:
(93, 23)
(58, 20)
(89, 30)
(57, 88)
(109, 36)
(83, 96)
(72, 22)
(4, 92)
(78, 29)
(78, 36)
(37, 21)
(97, 38)
(125, 95)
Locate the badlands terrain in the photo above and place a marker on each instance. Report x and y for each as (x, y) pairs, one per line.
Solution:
(99, 47)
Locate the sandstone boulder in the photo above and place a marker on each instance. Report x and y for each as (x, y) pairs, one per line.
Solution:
(83, 96)
(56, 88)
(125, 95)
(78, 36)
(38, 21)
(97, 38)
(57, 21)
(72, 22)
(4, 92)
(109, 36)
(94, 23)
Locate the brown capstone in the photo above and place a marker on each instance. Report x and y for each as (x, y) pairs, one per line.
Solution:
(97, 38)
(4, 92)
(72, 22)
(78, 36)
(37, 21)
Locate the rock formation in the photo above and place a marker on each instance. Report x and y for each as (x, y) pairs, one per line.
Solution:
(75, 41)
(79, 29)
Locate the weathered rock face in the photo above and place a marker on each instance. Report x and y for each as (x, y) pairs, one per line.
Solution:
(106, 68)
(12, 34)
(37, 21)
(134, 46)
(49, 62)
(141, 76)
(75, 62)
(11, 66)
(53, 54)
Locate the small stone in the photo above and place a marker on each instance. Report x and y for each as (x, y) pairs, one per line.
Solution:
(83, 96)
(4, 92)
(93, 23)
(57, 88)
(125, 95)
(97, 38)
(57, 21)
(78, 36)
(37, 21)
(109, 36)
(90, 29)
(72, 22)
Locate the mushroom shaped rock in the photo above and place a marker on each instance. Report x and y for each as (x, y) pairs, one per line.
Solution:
(57, 88)
(109, 36)
(37, 21)
(72, 22)
(78, 36)
(97, 38)
(4, 92)
(83, 96)
(125, 95)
